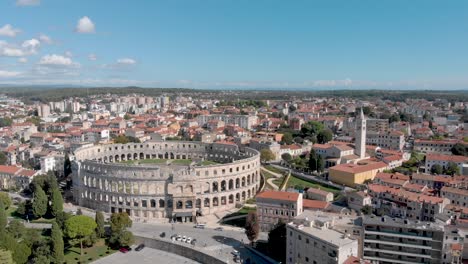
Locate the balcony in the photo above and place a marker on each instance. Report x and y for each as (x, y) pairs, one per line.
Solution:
(396, 253)
(396, 244)
(397, 234)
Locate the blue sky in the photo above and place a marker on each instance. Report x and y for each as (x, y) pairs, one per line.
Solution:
(236, 43)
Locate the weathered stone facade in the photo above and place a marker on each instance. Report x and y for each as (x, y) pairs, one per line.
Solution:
(151, 191)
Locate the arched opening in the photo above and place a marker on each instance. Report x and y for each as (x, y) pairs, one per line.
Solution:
(198, 203)
(237, 183)
(189, 204)
(223, 186)
(237, 197)
(231, 184)
(215, 187)
(161, 203)
(243, 181)
(231, 199)
(215, 201)
(179, 205)
(153, 203)
(223, 200)
(243, 196)
(206, 203)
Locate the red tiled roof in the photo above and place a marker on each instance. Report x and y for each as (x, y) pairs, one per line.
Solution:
(9, 169)
(276, 195)
(314, 204)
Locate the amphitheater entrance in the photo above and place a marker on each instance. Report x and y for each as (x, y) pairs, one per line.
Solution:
(183, 217)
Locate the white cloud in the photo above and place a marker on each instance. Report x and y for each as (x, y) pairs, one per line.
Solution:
(23, 60)
(8, 31)
(68, 54)
(46, 39)
(85, 25)
(126, 61)
(27, 2)
(31, 45)
(92, 57)
(9, 74)
(55, 60)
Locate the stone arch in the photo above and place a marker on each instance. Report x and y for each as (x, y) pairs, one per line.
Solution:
(215, 187)
(237, 197)
(231, 184)
(198, 203)
(161, 203)
(231, 199)
(223, 200)
(243, 196)
(223, 185)
(237, 183)
(179, 205)
(188, 204)
(248, 179)
(206, 202)
(248, 193)
(215, 201)
(153, 203)
(243, 181)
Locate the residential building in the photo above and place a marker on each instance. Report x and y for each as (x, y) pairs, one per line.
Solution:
(443, 160)
(317, 194)
(311, 238)
(395, 240)
(274, 206)
(358, 199)
(394, 140)
(353, 174)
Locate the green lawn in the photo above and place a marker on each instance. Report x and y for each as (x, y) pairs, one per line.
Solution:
(99, 250)
(294, 181)
(274, 169)
(43, 221)
(172, 161)
(267, 176)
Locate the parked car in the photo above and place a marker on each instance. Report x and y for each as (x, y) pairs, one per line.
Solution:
(140, 247)
(163, 234)
(189, 240)
(219, 229)
(193, 241)
(235, 253)
(178, 237)
(201, 226)
(124, 250)
(184, 238)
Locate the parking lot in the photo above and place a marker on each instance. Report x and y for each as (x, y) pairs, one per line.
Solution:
(145, 256)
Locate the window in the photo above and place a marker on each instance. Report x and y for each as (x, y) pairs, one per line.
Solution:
(307, 241)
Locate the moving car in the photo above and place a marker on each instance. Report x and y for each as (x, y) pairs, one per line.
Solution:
(219, 229)
(140, 247)
(201, 226)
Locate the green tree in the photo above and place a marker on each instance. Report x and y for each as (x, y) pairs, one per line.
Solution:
(286, 156)
(67, 169)
(39, 205)
(5, 198)
(61, 218)
(459, 149)
(3, 158)
(56, 205)
(41, 252)
(78, 227)
(119, 235)
(366, 209)
(121, 139)
(16, 228)
(437, 169)
(313, 160)
(5, 257)
(21, 253)
(266, 155)
(324, 136)
(100, 230)
(452, 169)
(252, 227)
(277, 242)
(3, 217)
(57, 243)
(5, 121)
(320, 164)
(287, 138)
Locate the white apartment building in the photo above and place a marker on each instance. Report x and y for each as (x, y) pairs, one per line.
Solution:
(443, 160)
(244, 121)
(457, 196)
(394, 140)
(434, 146)
(395, 240)
(312, 239)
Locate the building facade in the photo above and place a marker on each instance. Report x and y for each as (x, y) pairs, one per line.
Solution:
(275, 206)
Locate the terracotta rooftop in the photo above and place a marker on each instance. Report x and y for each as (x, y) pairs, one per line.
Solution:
(314, 204)
(355, 168)
(276, 195)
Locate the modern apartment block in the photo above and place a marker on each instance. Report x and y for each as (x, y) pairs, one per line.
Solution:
(312, 239)
(244, 121)
(394, 240)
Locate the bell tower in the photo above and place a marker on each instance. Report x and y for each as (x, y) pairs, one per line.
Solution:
(360, 143)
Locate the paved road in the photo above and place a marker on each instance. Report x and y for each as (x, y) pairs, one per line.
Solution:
(145, 256)
(270, 180)
(215, 243)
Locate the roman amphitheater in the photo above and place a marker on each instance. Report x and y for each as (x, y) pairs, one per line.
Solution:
(168, 179)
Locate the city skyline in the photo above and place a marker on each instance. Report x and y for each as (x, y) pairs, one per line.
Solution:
(235, 45)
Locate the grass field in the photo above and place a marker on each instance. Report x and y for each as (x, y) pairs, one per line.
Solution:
(99, 250)
(294, 181)
(172, 161)
(274, 169)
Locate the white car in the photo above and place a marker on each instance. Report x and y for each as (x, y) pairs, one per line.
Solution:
(184, 238)
(189, 240)
(235, 253)
(178, 238)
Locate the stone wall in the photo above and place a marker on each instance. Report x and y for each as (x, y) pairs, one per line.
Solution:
(178, 249)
